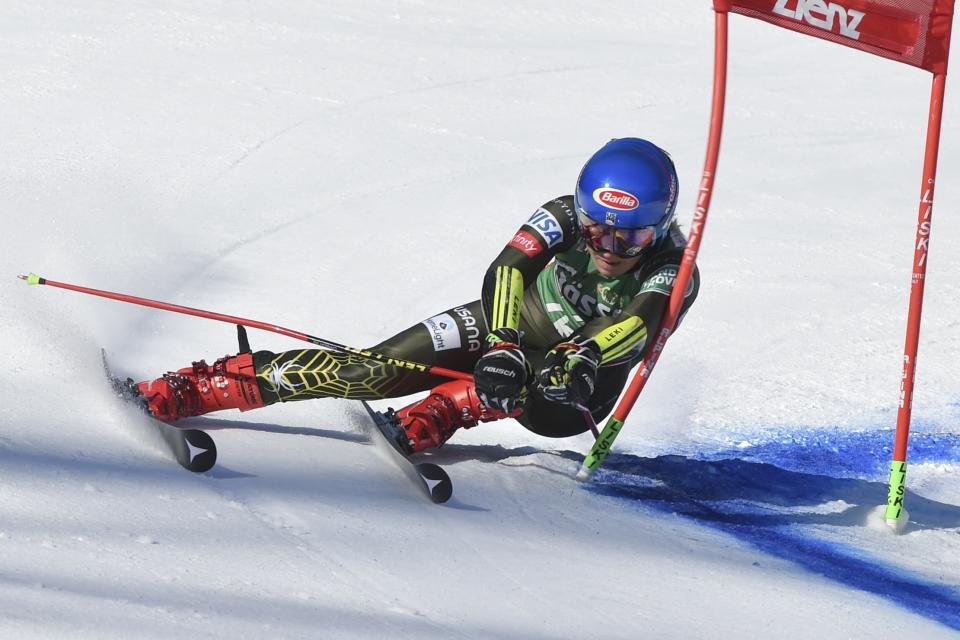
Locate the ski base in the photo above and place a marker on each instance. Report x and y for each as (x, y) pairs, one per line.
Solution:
(192, 448)
(432, 478)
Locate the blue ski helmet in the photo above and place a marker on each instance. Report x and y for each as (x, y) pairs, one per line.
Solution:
(628, 184)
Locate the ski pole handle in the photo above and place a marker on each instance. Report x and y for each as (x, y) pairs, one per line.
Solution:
(34, 279)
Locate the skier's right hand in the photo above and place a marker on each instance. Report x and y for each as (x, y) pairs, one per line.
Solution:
(502, 373)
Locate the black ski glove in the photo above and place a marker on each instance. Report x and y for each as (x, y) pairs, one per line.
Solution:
(502, 373)
(569, 372)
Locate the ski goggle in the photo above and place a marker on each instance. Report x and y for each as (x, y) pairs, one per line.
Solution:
(625, 243)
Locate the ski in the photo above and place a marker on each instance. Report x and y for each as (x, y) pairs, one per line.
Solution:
(428, 476)
(192, 448)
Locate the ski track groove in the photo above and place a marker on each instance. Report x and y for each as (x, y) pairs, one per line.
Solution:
(252, 149)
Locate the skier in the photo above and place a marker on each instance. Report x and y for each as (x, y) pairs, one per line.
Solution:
(566, 311)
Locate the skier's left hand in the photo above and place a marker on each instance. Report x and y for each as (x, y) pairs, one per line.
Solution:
(569, 372)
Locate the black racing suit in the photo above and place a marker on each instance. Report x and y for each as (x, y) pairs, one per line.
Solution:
(545, 284)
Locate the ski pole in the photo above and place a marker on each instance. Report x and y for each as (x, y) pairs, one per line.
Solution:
(588, 418)
(34, 279)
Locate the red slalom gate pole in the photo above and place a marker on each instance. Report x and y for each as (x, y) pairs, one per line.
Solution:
(601, 448)
(34, 279)
(896, 515)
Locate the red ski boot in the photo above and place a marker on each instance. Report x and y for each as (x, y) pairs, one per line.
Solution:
(229, 383)
(450, 406)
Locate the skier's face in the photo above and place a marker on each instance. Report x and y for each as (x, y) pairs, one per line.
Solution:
(610, 265)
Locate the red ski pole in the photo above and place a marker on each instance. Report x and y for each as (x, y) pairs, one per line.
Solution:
(253, 324)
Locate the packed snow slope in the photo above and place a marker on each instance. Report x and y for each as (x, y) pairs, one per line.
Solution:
(349, 169)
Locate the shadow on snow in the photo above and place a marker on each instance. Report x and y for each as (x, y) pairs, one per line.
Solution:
(762, 493)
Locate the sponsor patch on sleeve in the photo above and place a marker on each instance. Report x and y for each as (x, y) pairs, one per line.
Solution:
(443, 331)
(546, 225)
(662, 281)
(525, 242)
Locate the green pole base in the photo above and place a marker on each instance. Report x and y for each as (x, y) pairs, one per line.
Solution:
(896, 514)
(600, 449)
(899, 523)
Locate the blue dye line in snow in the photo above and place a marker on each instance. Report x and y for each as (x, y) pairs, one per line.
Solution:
(840, 451)
(742, 491)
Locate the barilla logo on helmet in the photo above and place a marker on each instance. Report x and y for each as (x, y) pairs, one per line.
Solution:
(616, 199)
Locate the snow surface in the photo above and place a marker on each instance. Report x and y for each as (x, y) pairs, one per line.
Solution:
(350, 168)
